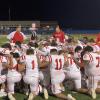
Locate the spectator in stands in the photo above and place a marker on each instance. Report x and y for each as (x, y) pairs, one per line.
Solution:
(17, 35)
(59, 35)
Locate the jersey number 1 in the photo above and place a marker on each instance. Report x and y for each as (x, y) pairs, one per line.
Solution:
(33, 65)
(98, 58)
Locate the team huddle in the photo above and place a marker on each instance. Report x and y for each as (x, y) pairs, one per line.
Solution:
(44, 66)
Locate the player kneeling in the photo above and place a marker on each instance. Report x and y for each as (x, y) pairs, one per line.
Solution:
(92, 69)
(3, 71)
(57, 74)
(13, 75)
(31, 76)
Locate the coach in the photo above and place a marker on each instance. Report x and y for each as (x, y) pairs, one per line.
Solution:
(98, 39)
(16, 35)
(59, 35)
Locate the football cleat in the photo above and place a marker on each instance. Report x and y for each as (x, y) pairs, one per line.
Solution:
(11, 97)
(69, 97)
(45, 94)
(31, 96)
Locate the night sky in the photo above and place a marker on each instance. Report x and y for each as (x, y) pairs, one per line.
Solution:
(69, 13)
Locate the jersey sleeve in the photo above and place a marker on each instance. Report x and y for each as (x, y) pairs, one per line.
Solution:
(23, 35)
(11, 35)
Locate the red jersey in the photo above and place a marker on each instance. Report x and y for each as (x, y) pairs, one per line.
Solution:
(18, 37)
(98, 39)
(59, 36)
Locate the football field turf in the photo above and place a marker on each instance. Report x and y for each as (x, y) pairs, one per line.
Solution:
(78, 96)
(3, 38)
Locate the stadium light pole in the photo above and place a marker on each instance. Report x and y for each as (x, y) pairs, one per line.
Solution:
(9, 12)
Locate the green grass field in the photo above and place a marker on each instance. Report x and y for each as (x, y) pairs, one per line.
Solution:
(3, 38)
(78, 96)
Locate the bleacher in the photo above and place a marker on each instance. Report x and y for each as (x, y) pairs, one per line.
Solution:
(7, 27)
